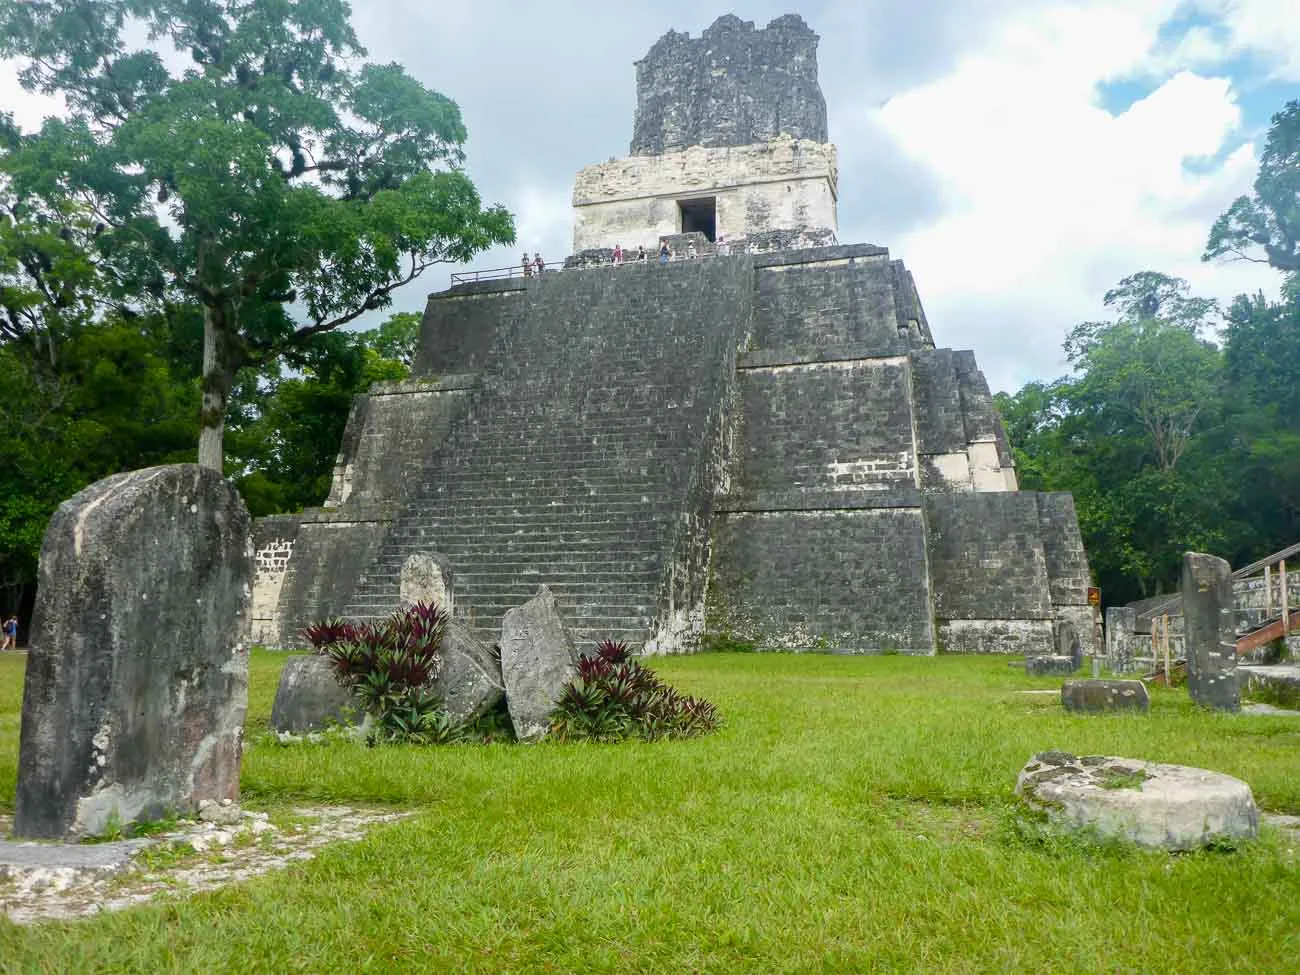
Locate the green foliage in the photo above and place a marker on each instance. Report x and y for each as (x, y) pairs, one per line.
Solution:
(286, 428)
(1116, 778)
(390, 666)
(276, 181)
(614, 698)
(857, 800)
(110, 401)
(1265, 226)
(1138, 434)
(725, 643)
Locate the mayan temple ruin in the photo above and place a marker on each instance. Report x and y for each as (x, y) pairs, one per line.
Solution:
(757, 438)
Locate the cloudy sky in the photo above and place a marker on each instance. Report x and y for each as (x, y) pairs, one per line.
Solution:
(1021, 156)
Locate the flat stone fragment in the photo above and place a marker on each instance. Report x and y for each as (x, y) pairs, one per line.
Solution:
(1150, 804)
(1049, 665)
(537, 659)
(1093, 696)
(308, 697)
(93, 857)
(469, 680)
(137, 677)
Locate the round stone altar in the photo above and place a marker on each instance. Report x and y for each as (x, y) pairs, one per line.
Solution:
(1157, 806)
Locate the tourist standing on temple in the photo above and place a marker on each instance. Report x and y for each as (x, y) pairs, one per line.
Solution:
(640, 253)
(538, 264)
(690, 250)
(618, 253)
(722, 250)
(665, 255)
(528, 266)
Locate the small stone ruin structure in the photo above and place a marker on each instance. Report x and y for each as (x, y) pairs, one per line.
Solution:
(766, 441)
(137, 676)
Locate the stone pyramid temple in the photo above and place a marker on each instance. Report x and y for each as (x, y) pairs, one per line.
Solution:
(756, 438)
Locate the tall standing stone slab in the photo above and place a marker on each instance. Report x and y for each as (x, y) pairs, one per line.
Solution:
(137, 679)
(1209, 631)
(1121, 624)
(537, 659)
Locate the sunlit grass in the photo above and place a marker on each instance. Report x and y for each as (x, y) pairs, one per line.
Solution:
(854, 814)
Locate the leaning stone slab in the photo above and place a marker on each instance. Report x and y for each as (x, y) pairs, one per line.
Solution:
(469, 680)
(1157, 806)
(1209, 632)
(137, 678)
(537, 659)
(428, 579)
(1049, 665)
(308, 697)
(1094, 696)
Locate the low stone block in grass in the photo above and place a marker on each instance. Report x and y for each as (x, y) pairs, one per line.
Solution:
(1049, 665)
(1096, 696)
(1150, 804)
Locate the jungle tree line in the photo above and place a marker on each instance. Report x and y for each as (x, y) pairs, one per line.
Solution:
(1179, 425)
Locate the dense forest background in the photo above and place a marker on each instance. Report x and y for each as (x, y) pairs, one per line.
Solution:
(1178, 426)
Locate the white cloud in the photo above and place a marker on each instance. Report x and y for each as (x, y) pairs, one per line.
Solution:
(1270, 28)
(1052, 199)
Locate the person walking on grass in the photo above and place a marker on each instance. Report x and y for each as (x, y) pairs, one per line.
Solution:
(10, 630)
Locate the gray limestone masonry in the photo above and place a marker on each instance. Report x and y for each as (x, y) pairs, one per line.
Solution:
(732, 86)
(745, 442)
(137, 678)
(1210, 632)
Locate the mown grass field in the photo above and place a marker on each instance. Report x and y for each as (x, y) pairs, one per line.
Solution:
(854, 815)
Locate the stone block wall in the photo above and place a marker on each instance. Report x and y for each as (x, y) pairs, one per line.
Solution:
(845, 578)
(991, 582)
(837, 298)
(731, 86)
(828, 425)
(767, 443)
(757, 189)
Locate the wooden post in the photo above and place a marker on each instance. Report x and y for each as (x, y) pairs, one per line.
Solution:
(1268, 592)
(1286, 601)
(1164, 639)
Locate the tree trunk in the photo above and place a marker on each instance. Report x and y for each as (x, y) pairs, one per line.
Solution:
(219, 370)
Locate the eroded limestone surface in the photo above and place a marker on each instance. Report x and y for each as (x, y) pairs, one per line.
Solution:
(137, 677)
(1151, 804)
(48, 881)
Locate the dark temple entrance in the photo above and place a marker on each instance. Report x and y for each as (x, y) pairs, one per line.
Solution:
(700, 216)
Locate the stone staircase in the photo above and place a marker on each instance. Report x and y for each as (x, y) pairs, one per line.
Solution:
(572, 467)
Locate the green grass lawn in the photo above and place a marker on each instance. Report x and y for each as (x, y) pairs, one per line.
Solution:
(854, 814)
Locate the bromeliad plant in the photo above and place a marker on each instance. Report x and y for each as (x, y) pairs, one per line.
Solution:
(390, 666)
(614, 698)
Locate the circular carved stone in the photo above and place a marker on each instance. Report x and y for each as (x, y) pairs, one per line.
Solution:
(1169, 807)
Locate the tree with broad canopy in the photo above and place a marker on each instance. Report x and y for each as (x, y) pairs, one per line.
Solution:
(276, 179)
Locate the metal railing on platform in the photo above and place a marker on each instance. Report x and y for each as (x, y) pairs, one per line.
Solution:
(532, 271)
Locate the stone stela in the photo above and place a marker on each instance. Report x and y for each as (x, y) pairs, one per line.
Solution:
(769, 443)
